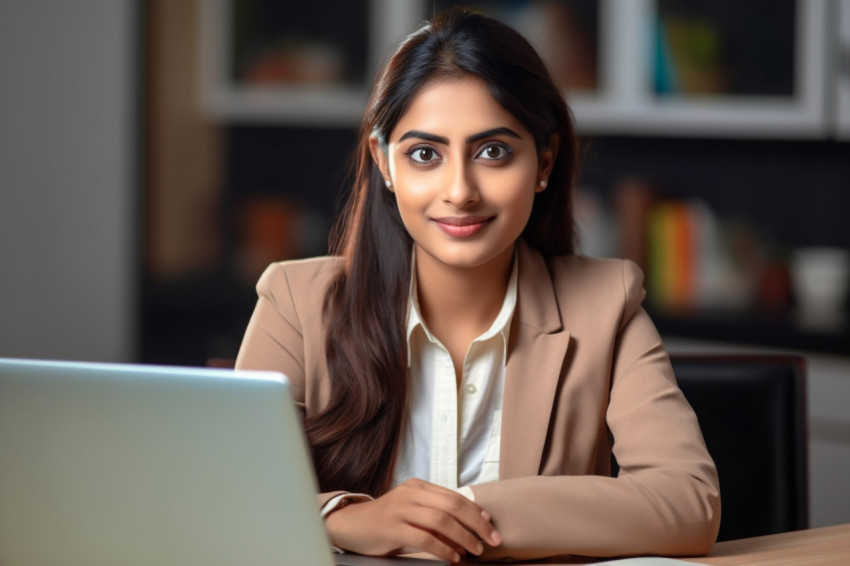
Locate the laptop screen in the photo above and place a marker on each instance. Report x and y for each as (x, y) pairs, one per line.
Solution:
(131, 464)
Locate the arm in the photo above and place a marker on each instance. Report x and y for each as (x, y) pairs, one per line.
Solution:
(666, 498)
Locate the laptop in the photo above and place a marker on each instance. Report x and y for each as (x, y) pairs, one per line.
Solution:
(104, 464)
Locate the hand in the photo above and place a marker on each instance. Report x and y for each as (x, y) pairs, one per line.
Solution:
(416, 516)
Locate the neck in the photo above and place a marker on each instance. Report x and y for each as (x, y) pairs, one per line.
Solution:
(469, 298)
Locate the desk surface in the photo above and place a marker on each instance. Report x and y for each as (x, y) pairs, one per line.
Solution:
(825, 546)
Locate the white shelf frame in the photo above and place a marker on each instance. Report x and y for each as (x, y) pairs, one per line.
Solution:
(338, 106)
(628, 106)
(625, 104)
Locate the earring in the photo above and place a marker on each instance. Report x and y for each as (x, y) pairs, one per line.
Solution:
(388, 183)
(542, 183)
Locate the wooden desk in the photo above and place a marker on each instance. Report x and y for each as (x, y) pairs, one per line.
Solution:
(825, 546)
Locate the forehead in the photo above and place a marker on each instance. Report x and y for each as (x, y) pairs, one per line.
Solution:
(455, 106)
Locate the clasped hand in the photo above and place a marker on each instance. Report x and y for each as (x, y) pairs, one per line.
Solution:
(416, 516)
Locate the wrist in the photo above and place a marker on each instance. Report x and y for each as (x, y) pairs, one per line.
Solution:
(331, 514)
(335, 524)
(341, 500)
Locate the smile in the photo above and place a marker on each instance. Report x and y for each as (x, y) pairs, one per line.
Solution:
(463, 226)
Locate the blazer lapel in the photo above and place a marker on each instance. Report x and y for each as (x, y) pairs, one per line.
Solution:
(538, 346)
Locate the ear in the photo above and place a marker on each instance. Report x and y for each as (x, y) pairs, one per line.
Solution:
(380, 159)
(547, 160)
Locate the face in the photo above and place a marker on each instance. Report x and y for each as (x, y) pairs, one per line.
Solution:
(464, 172)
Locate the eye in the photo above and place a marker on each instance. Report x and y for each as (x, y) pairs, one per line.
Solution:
(423, 154)
(495, 151)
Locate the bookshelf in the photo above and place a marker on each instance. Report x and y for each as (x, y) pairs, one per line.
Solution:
(772, 160)
(635, 67)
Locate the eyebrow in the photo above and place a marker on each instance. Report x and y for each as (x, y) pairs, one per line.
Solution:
(471, 139)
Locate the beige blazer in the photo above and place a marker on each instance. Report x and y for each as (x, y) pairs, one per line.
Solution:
(586, 374)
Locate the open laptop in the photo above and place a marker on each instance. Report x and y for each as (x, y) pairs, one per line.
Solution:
(141, 465)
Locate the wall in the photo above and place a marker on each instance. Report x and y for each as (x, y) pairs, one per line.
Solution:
(67, 187)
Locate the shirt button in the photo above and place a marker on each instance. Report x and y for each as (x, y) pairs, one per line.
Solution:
(471, 389)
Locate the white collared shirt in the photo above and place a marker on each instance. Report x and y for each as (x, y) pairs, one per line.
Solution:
(453, 434)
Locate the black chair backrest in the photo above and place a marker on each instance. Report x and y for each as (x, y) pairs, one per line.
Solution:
(752, 411)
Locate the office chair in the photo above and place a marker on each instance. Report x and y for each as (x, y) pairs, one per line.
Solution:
(752, 411)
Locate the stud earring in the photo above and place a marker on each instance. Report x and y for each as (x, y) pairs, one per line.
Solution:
(542, 184)
(388, 183)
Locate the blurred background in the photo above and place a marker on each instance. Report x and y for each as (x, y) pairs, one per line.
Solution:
(155, 156)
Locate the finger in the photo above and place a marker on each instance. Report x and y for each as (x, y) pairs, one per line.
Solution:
(427, 542)
(445, 526)
(462, 552)
(467, 512)
(448, 499)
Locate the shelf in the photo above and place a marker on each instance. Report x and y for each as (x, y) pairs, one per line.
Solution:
(628, 104)
(616, 93)
(304, 106)
(330, 101)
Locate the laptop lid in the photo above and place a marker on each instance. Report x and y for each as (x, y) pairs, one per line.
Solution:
(141, 465)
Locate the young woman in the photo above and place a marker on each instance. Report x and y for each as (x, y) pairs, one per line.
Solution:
(464, 375)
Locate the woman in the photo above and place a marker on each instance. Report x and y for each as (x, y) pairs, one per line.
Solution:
(465, 376)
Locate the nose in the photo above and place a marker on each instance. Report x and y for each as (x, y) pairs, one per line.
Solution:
(461, 189)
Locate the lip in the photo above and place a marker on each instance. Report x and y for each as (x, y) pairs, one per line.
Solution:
(462, 226)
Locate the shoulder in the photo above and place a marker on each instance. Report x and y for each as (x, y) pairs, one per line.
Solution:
(579, 288)
(595, 289)
(299, 283)
(298, 272)
(596, 275)
(305, 268)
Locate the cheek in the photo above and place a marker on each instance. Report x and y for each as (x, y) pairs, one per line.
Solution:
(412, 201)
(513, 188)
(417, 189)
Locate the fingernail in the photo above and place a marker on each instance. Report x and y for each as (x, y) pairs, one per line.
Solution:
(495, 539)
(479, 548)
(456, 558)
(485, 514)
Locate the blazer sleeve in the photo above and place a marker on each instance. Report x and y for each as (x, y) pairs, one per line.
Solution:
(290, 298)
(665, 500)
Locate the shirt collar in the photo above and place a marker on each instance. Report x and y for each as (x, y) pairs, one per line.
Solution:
(501, 324)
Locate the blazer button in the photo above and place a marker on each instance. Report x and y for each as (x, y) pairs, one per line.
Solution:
(471, 389)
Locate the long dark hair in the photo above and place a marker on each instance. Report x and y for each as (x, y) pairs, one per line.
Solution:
(354, 439)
